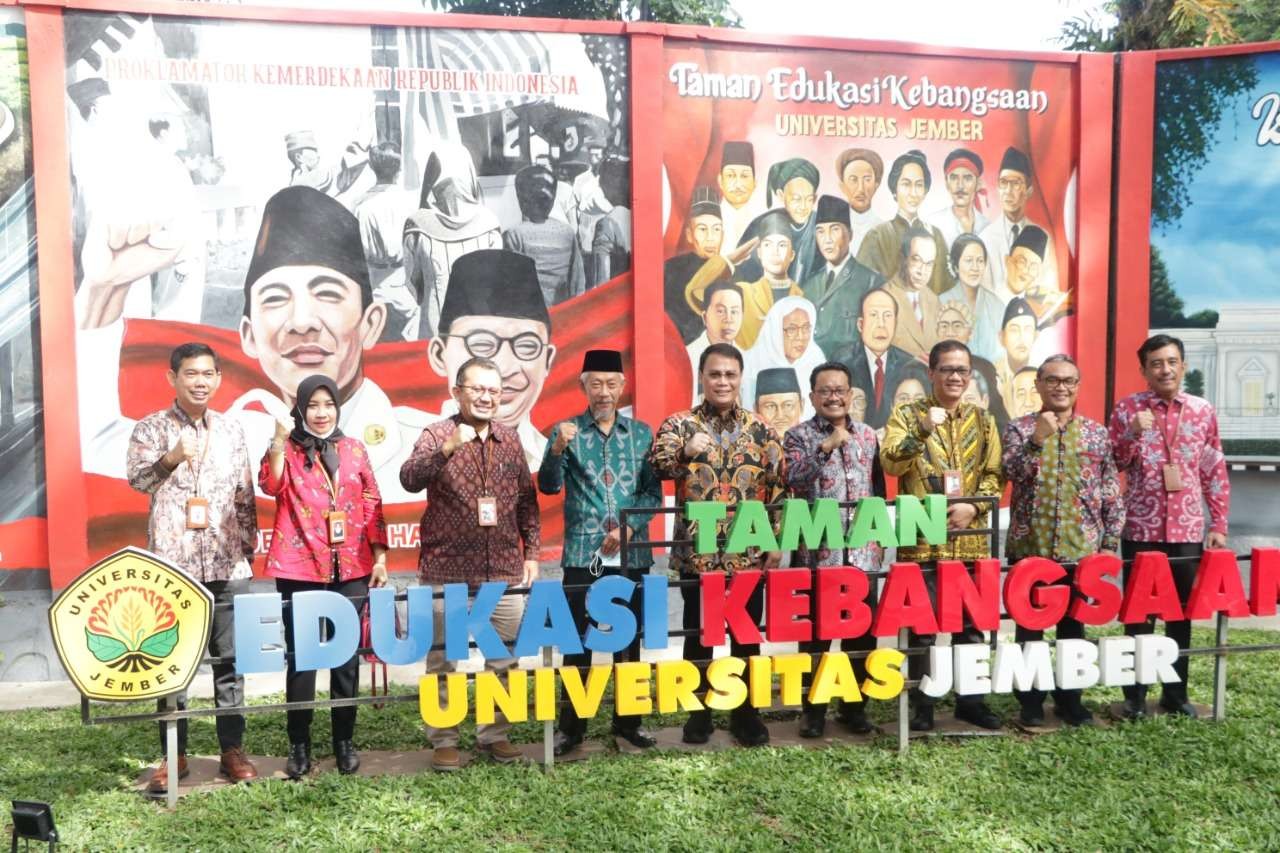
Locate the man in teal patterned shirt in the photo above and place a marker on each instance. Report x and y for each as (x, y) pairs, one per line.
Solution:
(1065, 504)
(599, 459)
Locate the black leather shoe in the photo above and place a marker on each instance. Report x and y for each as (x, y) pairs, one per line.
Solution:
(299, 763)
(566, 743)
(1031, 715)
(1180, 708)
(637, 737)
(1135, 708)
(854, 718)
(922, 719)
(813, 721)
(747, 728)
(1074, 713)
(978, 714)
(698, 728)
(346, 756)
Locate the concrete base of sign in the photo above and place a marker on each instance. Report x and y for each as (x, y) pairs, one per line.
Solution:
(781, 733)
(946, 725)
(589, 748)
(1053, 724)
(1116, 710)
(204, 774)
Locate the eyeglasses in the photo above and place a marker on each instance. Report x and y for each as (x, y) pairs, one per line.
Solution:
(479, 391)
(797, 331)
(962, 372)
(830, 392)
(1060, 381)
(526, 346)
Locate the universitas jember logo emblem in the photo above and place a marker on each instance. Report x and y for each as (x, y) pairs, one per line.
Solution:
(131, 627)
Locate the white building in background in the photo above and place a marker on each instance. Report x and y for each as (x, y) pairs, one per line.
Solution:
(1240, 362)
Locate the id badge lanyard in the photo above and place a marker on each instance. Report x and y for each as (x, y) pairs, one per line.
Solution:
(1171, 471)
(197, 506)
(336, 521)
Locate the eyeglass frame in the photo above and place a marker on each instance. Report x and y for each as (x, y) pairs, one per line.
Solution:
(510, 342)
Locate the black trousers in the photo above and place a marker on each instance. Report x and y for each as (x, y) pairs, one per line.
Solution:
(865, 643)
(1184, 576)
(694, 650)
(570, 722)
(917, 665)
(1067, 629)
(228, 688)
(344, 681)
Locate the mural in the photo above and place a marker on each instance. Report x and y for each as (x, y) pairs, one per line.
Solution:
(1214, 239)
(861, 207)
(23, 535)
(296, 196)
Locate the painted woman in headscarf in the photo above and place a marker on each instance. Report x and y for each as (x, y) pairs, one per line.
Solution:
(785, 340)
(450, 222)
(329, 535)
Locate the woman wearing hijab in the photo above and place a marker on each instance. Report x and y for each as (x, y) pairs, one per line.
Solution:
(785, 340)
(450, 222)
(329, 535)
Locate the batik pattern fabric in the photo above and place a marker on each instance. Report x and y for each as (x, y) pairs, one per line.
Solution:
(221, 476)
(300, 548)
(967, 441)
(601, 475)
(744, 462)
(456, 548)
(1186, 434)
(846, 474)
(1066, 494)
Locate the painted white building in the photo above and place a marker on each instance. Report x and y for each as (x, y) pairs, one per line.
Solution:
(1240, 361)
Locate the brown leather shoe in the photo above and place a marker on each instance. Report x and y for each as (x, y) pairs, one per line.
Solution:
(501, 751)
(159, 783)
(236, 766)
(446, 759)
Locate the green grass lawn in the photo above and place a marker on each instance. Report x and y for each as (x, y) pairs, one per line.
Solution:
(1163, 784)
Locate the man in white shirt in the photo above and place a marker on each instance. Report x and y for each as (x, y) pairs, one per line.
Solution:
(859, 171)
(737, 179)
(963, 172)
(1015, 184)
(494, 309)
(309, 308)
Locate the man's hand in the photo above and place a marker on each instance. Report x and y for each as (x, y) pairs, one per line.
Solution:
(1142, 422)
(457, 438)
(932, 419)
(567, 432)
(1216, 540)
(612, 542)
(183, 450)
(530, 572)
(839, 438)
(1046, 426)
(696, 445)
(741, 253)
(960, 516)
(772, 559)
(379, 576)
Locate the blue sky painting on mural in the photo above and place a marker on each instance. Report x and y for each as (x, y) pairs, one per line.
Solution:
(1225, 248)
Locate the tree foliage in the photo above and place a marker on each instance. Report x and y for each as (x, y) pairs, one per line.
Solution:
(715, 13)
(1167, 306)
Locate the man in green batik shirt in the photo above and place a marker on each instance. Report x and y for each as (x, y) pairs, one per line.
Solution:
(1065, 506)
(599, 459)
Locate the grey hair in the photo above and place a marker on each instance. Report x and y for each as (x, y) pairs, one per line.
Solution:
(1059, 358)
